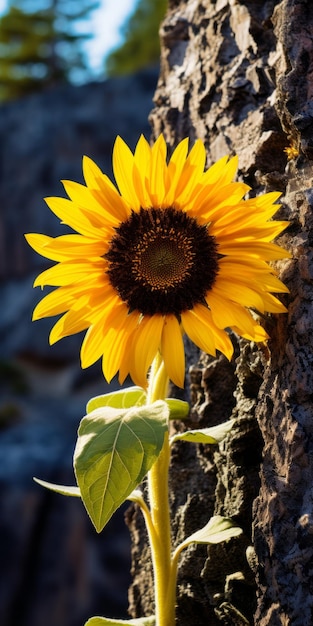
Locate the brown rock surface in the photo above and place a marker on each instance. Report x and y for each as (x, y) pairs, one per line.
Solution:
(238, 74)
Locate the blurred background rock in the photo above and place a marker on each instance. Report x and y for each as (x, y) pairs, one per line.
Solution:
(55, 569)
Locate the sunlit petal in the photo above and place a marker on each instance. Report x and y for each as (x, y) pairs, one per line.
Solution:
(199, 326)
(172, 350)
(146, 341)
(123, 160)
(69, 324)
(157, 179)
(67, 273)
(116, 344)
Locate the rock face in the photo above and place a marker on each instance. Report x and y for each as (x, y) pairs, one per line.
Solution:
(239, 76)
(55, 570)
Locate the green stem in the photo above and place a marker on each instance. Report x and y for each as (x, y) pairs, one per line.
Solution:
(160, 538)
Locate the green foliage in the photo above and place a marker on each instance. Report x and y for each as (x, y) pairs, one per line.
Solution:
(217, 530)
(39, 45)
(141, 45)
(74, 492)
(212, 435)
(119, 441)
(136, 396)
(115, 449)
(121, 399)
(64, 490)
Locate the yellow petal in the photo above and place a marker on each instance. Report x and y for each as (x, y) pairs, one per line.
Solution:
(72, 215)
(198, 331)
(92, 346)
(221, 338)
(262, 279)
(191, 173)
(229, 315)
(238, 292)
(175, 168)
(246, 233)
(116, 344)
(258, 334)
(157, 178)
(141, 172)
(67, 273)
(92, 172)
(246, 214)
(265, 200)
(142, 157)
(172, 350)
(92, 203)
(123, 161)
(125, 365)
(69, 324)
(58, 301)
(210, 204)
(42, 242)
(272, 304)
(146, 341)
(66, 247)
(253, 249)
(108, 196)
(221, 172)
(216, 172)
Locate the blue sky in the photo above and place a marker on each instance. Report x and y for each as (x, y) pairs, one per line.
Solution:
(104, 24)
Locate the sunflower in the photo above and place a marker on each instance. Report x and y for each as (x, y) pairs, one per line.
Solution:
(172, 249)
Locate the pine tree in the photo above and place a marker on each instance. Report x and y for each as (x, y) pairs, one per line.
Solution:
(40, 47)
(141, 45)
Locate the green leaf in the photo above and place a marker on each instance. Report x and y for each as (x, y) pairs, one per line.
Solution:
(179, 409)
(121, 399)
(62, 489)
(104, 621)
(115, 449)
(136, 396)
(215, 434)
(73, 491)
(218, 529)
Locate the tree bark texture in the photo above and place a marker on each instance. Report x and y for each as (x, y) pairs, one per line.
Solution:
(239, 75)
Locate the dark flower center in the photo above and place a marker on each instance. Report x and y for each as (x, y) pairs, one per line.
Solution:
(162, 261)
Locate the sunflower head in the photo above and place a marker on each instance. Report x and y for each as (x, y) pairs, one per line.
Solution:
(171, 249)
(166, 253)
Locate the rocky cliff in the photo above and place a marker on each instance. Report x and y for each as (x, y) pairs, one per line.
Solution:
(238, 74)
